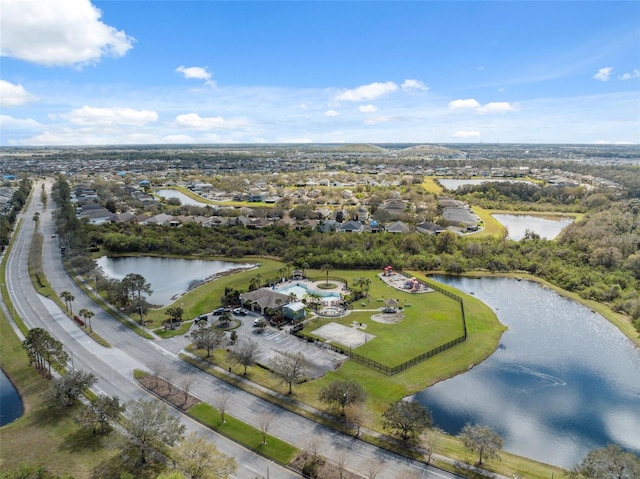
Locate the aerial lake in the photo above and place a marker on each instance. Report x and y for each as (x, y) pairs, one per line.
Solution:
(517, 225)
(169, 277)
(562, 382)
(10, 402)
(452, 184)
(184, 199)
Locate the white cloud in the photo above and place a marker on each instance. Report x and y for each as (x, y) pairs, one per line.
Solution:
(14, 95)
(196, 122)
(467, 104)
(628, 76)
(466, 134)
(603, 74)
(368, 108)
(414, 85)
(60, 32)
(491, 107)
(367, 92)
(331, 113)
(8, 122)
(377, 119)
(497, 107)
(199, 73)
(91, 116)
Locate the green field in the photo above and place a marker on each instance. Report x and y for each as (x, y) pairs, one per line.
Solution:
(431, 320)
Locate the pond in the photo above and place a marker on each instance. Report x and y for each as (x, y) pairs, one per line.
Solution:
(184, 199)
(453, 185)
(169, 277)
(563, 380)
(10, 401)
(517, 225)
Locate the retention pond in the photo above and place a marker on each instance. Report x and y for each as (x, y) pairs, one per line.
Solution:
(563, 381)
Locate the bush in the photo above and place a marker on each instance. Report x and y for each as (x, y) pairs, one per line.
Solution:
(78, 320)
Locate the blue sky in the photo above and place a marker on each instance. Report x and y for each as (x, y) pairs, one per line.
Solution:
(76, 72)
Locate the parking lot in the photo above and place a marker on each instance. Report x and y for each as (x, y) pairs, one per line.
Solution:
(270, 340)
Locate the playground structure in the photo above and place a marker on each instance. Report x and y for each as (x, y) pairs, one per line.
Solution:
(413, 285)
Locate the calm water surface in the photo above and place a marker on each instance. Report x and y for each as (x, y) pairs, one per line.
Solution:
(184, 199)
(517, 225)
(455, 184)
(168, 276)
(10, 402)
(563, 381)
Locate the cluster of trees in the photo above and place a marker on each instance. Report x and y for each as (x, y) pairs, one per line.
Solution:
(501, 195)
(597, 257)
(10, 213)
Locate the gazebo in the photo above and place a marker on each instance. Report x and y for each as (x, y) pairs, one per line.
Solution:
(391, 305)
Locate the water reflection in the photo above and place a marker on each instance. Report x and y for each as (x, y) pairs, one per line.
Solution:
(453, 184)
(184, 199)
(563, 381)
(517, 225)
(169, 277)
(10, 402)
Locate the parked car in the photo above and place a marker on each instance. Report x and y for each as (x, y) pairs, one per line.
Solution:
(201, 318)
(221, 311)
(240, 311)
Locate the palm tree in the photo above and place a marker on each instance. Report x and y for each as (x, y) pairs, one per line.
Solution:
(175, 314)
(305, 267)
(87, 314)
(364, 283)
(68, 298)
(326, 268)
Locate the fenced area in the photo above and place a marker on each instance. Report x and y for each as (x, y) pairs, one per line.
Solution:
(337, 338)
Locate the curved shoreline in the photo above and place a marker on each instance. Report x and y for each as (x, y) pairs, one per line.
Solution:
(618, 320)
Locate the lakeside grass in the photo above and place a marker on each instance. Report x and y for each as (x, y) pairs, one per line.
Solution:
(41, 435)
(206, 298)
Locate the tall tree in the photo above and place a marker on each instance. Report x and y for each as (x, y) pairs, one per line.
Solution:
(175, 314)
(136, 284)
(611, 462)
(87, 314)
(408, 418)
(288, 367)
(43, 350)
(208, 337)
(97, 414)
(68, 299)
(201, 459)
(64, 391)
(342, 393)
(481, 439)
(149, 425)
(264, 423)
(245, 354)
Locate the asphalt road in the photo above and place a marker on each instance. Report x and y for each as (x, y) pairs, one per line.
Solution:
(114, 367)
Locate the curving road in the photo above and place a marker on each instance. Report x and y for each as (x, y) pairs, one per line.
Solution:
(114, 366)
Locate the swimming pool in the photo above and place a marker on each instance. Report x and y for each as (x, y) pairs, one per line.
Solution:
(301, 290)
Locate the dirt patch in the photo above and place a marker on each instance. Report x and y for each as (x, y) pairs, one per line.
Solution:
(168, 392)
(388, 318)
(350, 337)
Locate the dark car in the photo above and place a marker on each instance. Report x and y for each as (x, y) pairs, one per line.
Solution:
(221, 311)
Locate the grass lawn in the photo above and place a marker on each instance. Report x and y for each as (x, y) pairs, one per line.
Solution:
(43, 436)
(492, 227)
(206, 297)
(431, 320)
(431, 186)
(275, 448)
